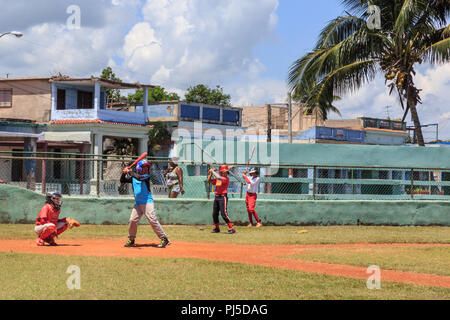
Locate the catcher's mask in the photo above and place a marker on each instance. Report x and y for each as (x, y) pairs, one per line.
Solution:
(141, 164)
(54, 198)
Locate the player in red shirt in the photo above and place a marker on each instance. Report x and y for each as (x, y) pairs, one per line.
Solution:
(221, 182)
(48, 225)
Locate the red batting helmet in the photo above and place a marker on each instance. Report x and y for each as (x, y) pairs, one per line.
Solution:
(141, 164)
(223, 168)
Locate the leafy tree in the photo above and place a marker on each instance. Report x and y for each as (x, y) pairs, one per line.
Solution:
(155, 94)
(203, 94)
(159, 136)
(112, 95)
(349, 54)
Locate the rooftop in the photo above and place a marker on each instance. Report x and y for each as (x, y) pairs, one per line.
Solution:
(75, 121)
(110, 84)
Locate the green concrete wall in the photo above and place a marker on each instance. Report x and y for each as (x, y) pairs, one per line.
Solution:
(22, 206)
(318, 154)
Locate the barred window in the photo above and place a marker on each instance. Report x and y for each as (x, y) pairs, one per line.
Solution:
(5, 98)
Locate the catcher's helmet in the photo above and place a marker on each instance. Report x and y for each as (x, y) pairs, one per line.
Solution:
(141, 164)
(54, 198)
(253, 170)
(224, 168)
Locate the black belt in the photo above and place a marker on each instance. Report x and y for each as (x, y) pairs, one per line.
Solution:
(251, 193)
(221, 195)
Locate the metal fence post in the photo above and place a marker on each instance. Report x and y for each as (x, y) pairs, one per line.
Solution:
(98, 177)
(314, 183)
(412, 184)
(208, 187)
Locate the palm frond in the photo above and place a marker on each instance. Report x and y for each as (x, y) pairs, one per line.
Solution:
(446, 31)
(339, 29)
(343, 80)
(439, 52)
(296, 72)
(411, 10)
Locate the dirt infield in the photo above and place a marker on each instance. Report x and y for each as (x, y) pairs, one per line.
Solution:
(261, 255)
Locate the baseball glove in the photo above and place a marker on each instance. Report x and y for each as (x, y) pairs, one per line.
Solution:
(72, 223)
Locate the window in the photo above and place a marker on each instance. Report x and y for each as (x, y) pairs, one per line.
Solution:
(385, 124)
(211, 114)
(61, 100)
(84, 100)
(57, 165)
(230, 116)
(5, 98)
(190, 112)
(17, 169)
(371, 123)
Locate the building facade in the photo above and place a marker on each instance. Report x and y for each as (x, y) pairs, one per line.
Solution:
(69, 115)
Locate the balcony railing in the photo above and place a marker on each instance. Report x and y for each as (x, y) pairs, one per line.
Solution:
(100, 114)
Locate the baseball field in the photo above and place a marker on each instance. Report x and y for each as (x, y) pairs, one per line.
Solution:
(268, 263)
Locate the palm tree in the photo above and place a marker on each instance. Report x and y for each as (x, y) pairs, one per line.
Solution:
(349, 54)
(319, 110)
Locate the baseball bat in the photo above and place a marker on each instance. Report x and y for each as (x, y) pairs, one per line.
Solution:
(142, 156)
(250, 159)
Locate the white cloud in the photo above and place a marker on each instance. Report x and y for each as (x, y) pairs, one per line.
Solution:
(203, 41)
(372, 99)
(48, 46)
(257, 93)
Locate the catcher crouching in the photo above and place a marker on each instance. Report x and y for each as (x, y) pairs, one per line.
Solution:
(48, 225)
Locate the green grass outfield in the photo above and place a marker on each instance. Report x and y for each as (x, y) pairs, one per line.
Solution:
(31, 276)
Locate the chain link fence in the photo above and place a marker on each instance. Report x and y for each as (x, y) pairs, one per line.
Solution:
(89, 175)
(331, 183)
(75, 174)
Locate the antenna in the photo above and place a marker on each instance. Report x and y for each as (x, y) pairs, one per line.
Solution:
(387, 112)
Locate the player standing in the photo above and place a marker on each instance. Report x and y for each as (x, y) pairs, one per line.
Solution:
(221, 182)
(48, 225)
(144, 204)
(251, 196)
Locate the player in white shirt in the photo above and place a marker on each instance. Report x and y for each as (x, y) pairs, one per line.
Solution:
(251, 196)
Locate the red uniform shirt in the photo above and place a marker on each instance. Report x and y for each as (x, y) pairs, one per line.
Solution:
(48, 214)
(221, 185)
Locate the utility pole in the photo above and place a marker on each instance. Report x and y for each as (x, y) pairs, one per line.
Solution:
(437, 132)
(290, 117)
(269, 123)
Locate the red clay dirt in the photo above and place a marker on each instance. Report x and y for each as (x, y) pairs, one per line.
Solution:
(261, 255)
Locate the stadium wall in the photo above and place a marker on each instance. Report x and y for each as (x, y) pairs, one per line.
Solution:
(22, 206)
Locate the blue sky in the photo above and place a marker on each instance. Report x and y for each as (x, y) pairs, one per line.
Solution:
(245, 46)
(299, 24)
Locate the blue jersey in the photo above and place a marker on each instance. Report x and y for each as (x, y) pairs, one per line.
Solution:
(141, 187)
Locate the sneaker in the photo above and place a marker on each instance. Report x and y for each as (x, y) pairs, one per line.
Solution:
(231, 231)
(130, 243)
(164, 242)
(258, 225)
(215, 230)
(250, 225)
(40, 242)
(50, 241)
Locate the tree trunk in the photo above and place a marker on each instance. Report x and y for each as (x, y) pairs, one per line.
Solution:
(412, 98)
(417, 126)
